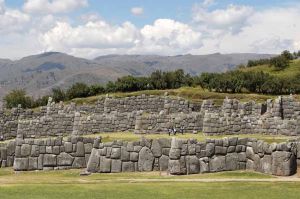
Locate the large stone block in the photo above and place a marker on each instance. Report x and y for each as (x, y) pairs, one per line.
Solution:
(193, 165)
(125, 155)
(115, 153)
(232, 161)
(128, 167)
(116, 166)
(266, 164)
(49, 160)
(175, 154)
(79, 162)
(68, 147)
(283, 163)
(21, 164)
(156, 148)
(105, 165)
(177, 167)
(80, 149)
(163, 163)
(64, 159)
(25, 150)
(217, 164)
(32, 163)
(146, 159)
(94, 161)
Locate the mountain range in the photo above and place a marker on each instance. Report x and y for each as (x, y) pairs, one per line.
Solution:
(38, 74)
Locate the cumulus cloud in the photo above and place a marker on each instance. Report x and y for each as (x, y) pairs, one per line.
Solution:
(233, 18)
(53, 6)
(137, 11)
(268, 31)
(11, 20)
(98, 34)
(169, 36)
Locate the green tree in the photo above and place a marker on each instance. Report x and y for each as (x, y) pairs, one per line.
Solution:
(279, 62)
(58, 94)
(78, 90)
(18, 97)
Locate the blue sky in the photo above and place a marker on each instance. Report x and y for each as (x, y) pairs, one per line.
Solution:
(89, 28)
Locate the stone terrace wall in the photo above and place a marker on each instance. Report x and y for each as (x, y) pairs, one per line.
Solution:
(280, 117)
(52, 153)
(7, 154)
(181, 157)
(153, 114)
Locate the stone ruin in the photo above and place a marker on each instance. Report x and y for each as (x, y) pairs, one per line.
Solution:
(34, 149)
(175, 156)
(153, 114)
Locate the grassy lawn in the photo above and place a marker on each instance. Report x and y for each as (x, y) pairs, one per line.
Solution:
(129, 136)
(68, 184)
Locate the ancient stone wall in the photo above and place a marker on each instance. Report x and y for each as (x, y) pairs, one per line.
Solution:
(180, 157)
(153, 114)
(7, 154)
(52, 153)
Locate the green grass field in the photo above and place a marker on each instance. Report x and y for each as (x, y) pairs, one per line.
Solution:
(68, 184)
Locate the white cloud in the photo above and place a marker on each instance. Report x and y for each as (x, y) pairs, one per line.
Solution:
(98, 34)
(206, 3)
(137, 11)
(53, 6)
(269, 31)
(233, 18)
(167, 36)
(11, 20)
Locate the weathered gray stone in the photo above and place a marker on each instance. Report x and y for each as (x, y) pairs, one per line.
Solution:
(156, 148)
(163, 163)
(32, 163)
(134, 156)
(193, 165)
(94, 161)
(177, 167)
(128, 167)
(115, 153)
(231, 161)
(217, 164)
(283, 163)
(64, 159)
(80, 149)
(49, 160)
(125, 155)
(25, 150)
(68, 147)
(146, 159)
(21, 164)
(116, 166)
(79, 162)
(175, 154)
(105, 165)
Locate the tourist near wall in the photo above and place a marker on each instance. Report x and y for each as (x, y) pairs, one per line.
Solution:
(153, 114)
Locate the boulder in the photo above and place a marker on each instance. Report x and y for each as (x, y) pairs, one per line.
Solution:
(79, 162)
(49, 160)
(64, 159)
(283, 163)
(128, 167)
(163, 163)
(93, 162)
(116, 166)
(217, 164)
(105, 165)
(115, 153)
(146, 159)
(156, 148)
(232, 161)
(21, 164)
(193, 165)
(25, 150)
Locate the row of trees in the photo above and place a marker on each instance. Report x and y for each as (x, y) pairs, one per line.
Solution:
(254, 82)
(157, 80)
(280, 62)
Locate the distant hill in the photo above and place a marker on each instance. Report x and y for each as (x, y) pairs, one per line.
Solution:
(39, 73)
